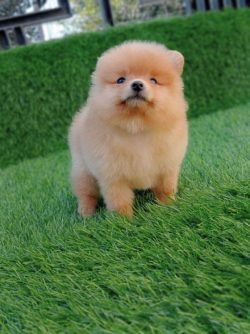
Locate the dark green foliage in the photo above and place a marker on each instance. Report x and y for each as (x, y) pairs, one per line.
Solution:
(42, 86)
(181, 269)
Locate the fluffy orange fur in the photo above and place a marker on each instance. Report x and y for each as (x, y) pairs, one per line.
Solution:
(124, 139)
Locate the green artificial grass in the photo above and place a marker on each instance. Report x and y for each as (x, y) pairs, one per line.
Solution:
(42, 86)
(177, 269)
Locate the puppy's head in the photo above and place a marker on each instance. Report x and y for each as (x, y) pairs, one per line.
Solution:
(137, 81)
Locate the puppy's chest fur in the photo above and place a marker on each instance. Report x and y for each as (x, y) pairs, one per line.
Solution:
(138, 159)
(141, 159)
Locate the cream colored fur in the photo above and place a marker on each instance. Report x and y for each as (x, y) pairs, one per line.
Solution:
(120, 142)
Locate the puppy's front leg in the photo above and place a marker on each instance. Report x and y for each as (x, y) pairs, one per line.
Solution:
(166, 187)
(118, 197)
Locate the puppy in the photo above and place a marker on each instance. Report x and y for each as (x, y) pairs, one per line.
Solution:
(132, 132)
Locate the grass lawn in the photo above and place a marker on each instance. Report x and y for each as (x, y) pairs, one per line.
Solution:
(177, 269)
(43, 85)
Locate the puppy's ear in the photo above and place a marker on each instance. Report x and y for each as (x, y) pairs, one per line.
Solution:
(177, 59)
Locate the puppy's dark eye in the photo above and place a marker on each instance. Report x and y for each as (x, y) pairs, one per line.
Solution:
(153, 80)
(120, 80)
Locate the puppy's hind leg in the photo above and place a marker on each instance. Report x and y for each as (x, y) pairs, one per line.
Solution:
(86, 189)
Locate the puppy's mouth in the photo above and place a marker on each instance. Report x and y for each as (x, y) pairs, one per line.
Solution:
(135, 99)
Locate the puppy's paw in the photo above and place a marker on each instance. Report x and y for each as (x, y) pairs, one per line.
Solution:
(126, 211)
(164, 198)
(119, 198)
(87, 207)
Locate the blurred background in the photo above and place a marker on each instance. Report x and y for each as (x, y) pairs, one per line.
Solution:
(84, 15)
(32, 21)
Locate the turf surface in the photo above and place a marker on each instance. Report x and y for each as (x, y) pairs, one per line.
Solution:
(177, 269)
(42, 86)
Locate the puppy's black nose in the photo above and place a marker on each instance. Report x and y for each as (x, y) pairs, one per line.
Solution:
(137, 86)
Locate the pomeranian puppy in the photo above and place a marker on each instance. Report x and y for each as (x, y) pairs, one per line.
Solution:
(132, 132)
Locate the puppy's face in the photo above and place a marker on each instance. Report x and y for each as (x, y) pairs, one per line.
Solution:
(134, 92)
(137, 80)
